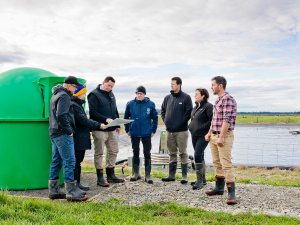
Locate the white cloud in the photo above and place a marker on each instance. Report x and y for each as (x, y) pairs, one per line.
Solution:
(88, 36)
(242, 40)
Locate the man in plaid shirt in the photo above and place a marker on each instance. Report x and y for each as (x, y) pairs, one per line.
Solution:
(220, 137)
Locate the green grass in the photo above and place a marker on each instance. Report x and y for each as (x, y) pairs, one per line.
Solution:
(269, 119)
(15, 210)
(273, 177)
(295, 119)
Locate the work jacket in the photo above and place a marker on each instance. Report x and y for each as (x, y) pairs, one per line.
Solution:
(61, 114)
(144, 115)
(82, 138)
(201, 118)
(176, 111)
(102, 105)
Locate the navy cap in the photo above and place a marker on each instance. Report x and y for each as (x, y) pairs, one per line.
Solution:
(72, 80)
(140, 89)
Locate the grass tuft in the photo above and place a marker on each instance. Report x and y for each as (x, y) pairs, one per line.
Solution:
(242, 167)
(297, 169)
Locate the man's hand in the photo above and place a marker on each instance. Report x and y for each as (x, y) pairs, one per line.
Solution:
(109, 120)
(152, 135)
(71, 135)
(224, 129)
(103, 127)
(128, 134)
(220, 141)
(118, 130)
(207, 137)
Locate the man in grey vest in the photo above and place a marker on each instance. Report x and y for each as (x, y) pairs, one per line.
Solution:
(103, 108)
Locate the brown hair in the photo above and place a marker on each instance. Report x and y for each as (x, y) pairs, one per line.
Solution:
(220, 80)
(178, 80)
(107, 79)
(204, 92)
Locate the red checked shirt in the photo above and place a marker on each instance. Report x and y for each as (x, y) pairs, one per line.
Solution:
(224, 110)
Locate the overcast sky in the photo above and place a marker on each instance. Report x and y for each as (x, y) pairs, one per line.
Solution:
(253, 44)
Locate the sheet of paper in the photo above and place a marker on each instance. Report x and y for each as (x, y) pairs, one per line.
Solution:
(118, 122)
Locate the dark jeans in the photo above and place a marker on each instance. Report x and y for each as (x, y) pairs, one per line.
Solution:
(199, 145)
(135, 141)
(62, 152)
(79, 155)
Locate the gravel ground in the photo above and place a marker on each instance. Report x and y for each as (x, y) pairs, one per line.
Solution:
(87, 179)
(251, 197)
(256, 198)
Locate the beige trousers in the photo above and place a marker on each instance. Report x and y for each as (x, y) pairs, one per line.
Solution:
(221, 156)
(108, 139)
(177, 141)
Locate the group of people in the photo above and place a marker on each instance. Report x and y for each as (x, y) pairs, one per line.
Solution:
(70, 134)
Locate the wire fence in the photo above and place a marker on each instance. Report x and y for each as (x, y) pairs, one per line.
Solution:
(262, 146)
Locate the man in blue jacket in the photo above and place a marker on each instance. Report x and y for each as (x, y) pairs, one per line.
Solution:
(144, 126)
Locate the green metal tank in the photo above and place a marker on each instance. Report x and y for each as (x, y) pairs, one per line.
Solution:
(25, 146)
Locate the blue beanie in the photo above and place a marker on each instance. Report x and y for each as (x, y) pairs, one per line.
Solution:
(80, 90)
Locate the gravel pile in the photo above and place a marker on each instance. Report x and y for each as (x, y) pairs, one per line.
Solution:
(255, 198)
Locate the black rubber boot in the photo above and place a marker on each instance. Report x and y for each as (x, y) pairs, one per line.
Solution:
(172, 172)
(54, 190)
(204, 171)
(219, 188)
(148, 178)
(136, 169)
(73, 192)
(77, 175)
(111, 177)
(200, 173)
(204, 179)
(100, 179)
(184, 179)
(231, 193)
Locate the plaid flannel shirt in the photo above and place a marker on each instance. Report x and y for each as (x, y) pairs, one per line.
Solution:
(224, 110)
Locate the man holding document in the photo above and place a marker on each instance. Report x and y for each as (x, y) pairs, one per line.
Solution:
(103, 108)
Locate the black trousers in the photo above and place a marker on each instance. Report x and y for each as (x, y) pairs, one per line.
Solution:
(135, 141)
(199, 145)
(79, 156)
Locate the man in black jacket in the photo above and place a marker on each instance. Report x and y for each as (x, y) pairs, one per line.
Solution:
(61, 129)
(103, 108)
(176, 112)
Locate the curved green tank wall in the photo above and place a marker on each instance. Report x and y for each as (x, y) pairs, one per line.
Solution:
(25, 146)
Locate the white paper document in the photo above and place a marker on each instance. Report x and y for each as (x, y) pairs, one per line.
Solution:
(118, 122)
